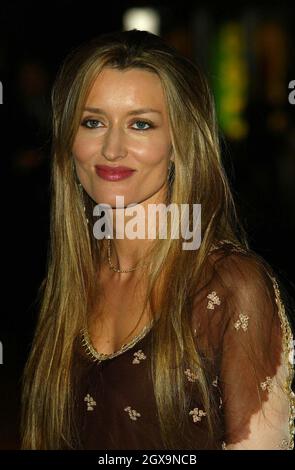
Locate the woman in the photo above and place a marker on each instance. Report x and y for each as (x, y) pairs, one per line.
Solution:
(116, 363)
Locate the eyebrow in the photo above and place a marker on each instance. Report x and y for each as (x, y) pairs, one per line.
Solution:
(130, 113)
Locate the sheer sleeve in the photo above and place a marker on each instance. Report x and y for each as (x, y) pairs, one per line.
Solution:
(256, 366)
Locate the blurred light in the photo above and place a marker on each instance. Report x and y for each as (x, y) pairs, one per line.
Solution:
(271, 47)
(144, 19)
(231, 79)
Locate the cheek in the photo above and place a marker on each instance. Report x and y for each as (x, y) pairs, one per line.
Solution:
(153, 152)
(84, 149)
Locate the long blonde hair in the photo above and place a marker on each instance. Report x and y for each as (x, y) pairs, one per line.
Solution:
(74, 257)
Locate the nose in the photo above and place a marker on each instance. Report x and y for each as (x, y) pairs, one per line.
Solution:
(113, 145)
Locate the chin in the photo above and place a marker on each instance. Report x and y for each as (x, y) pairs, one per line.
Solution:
(111, 201)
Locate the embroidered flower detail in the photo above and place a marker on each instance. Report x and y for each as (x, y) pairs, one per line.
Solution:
(242, 322)
(191, 376)
(215, 381)
(138, 356)
(133, 414)
(197, 414)
(213, 300)
(90, 402)
(223, 445)
(267, 385)
(284, 445)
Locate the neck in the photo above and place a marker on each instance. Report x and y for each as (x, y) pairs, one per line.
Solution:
(127, 253)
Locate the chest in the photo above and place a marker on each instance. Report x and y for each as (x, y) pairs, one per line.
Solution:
(118, 316)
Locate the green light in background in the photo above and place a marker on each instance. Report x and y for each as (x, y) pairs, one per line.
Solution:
(230, 79)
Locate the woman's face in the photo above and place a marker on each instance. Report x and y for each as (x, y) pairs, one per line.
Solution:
(117, 129)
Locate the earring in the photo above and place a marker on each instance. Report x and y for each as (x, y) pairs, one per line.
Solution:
(82, 197)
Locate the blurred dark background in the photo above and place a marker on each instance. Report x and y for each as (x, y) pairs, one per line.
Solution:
(247, 52)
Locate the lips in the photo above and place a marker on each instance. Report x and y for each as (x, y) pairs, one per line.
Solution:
(113, 173)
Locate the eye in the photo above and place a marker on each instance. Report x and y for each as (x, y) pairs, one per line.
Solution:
(90, 123)
(93, 124)
(141, 128)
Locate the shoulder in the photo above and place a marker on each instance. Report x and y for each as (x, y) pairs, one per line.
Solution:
(229, 272)
(238, 281)
(240, 270)
(241, 299)
(253, 302)
(249, 287)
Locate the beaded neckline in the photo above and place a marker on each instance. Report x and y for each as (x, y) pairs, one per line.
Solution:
(98, 357)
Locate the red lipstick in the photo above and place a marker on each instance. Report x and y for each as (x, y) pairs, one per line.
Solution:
(113, 173)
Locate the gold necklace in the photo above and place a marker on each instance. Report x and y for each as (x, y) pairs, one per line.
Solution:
(117, 270)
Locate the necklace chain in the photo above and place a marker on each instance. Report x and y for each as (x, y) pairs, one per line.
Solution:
(117, 270)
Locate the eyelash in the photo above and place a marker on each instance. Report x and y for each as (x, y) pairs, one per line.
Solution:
(151, 126)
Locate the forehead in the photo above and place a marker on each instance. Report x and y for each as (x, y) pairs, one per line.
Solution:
(128, 88)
